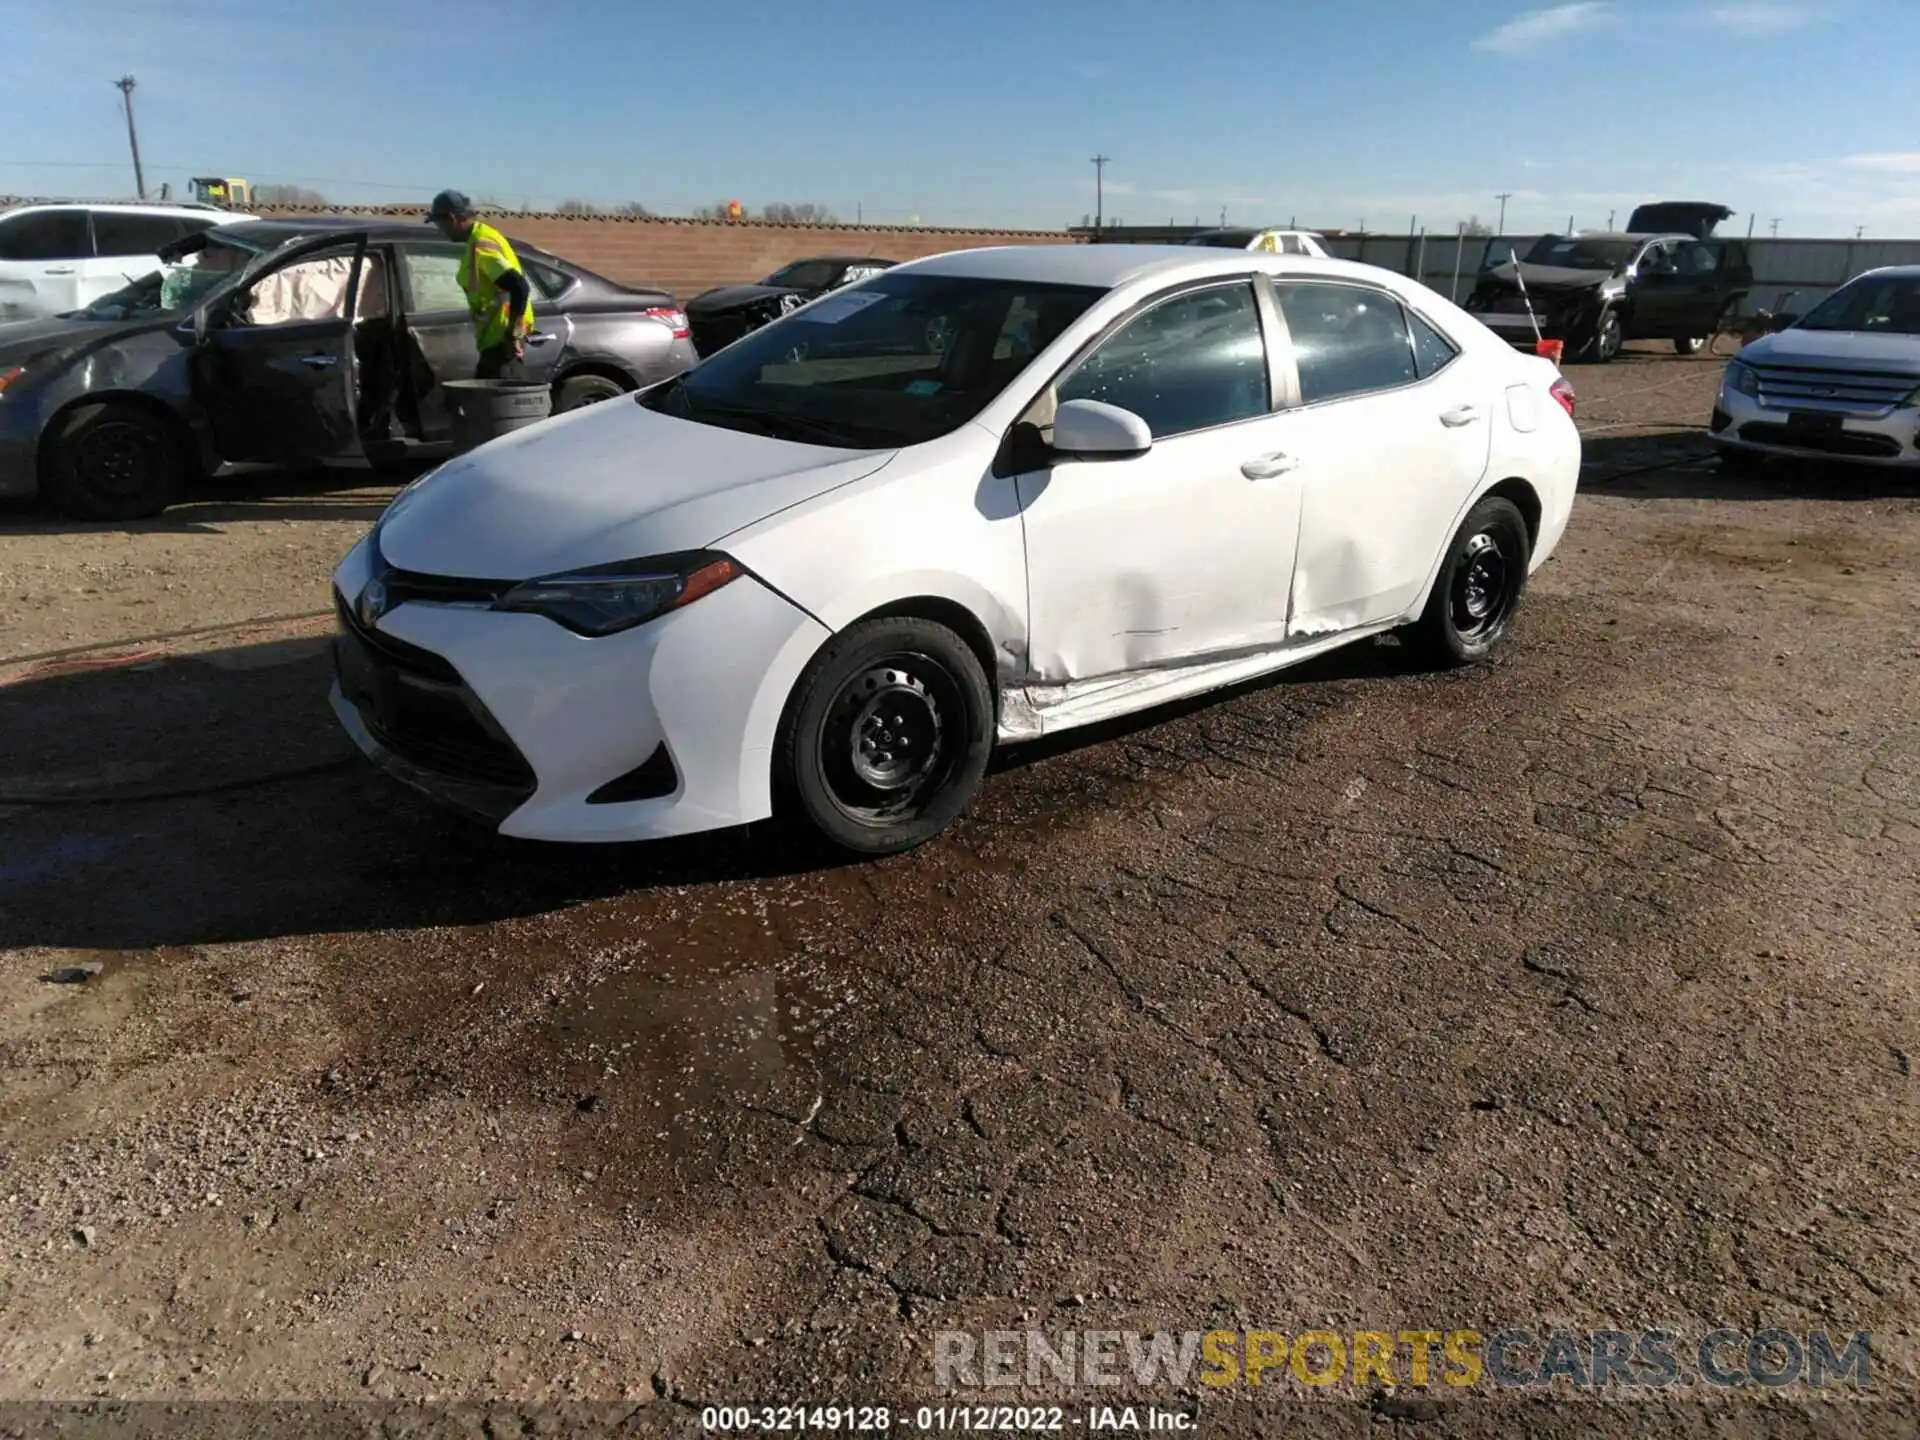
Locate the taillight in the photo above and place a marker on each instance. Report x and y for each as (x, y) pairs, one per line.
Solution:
(1563, 392)
(674, 319)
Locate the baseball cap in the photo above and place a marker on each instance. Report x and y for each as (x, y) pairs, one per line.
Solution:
(447, 204)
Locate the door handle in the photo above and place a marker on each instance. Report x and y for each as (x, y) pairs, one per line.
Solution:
(319, 362)
(538, 337)
(1460, 415)
(1265, 467)
(58, 270)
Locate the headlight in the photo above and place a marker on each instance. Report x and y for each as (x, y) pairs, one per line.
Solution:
(11, 375)
(606, 599)
(1740, 379)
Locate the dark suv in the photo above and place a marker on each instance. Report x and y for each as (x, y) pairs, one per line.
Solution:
(1598, 291)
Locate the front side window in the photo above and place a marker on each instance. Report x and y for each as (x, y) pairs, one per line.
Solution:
(317, 288)
(1572, 252)
(903, 359)
(1347, 339)
(1191, 362)
(1657, 260)
(46, 235)
(1697, 259)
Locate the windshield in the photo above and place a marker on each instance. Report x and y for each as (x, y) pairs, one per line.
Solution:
(897, 361)
(804, 275)
(177, 286)
(1889, 305)
(1574, 253)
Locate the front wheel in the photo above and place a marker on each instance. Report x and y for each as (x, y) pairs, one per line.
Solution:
(887, 735)
(116, 461)
(1479, 586)
(1607, 338)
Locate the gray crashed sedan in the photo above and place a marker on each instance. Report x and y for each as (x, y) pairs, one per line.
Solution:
(294, 342)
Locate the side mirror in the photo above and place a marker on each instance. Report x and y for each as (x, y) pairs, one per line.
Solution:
(1780, 322)
(1095, 430)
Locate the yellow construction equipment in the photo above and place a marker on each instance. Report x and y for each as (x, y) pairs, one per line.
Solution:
(228, 194)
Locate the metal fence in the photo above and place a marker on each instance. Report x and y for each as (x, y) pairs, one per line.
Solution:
(1813, 268)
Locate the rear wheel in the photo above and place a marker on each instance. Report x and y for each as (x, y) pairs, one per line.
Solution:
(116, 462)
(1695, 344)
(585, 390)
(887, 735)
(1480, 585)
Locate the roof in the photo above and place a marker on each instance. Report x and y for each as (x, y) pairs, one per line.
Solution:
(136, 207)
(1111, 266)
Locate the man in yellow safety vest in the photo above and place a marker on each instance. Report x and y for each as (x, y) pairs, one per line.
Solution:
(498, 295)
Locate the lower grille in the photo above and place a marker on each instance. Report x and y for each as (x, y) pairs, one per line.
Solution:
(412, 709)
(1843, 443)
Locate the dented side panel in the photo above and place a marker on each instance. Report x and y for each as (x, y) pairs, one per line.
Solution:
(1160, 559)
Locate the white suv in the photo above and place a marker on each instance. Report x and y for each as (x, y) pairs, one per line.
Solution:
(56, 258)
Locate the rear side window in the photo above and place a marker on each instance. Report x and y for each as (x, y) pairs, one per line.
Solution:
(433, 280)
(1347, 339)
(46, 235)
(1191, 362)
(547, 280)
(116, 233)
(1432, 351)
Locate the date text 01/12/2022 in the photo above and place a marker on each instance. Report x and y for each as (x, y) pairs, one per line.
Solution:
(1003, 1419)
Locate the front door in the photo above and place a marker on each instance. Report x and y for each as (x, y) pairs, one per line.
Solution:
(1392, 437)
(277, 370)
(42, 254)
(1184, 553)
(1665, 299)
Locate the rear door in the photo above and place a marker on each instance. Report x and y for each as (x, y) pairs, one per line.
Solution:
(440, 330)
(42, 253)
(1390, 438)
(276, 370)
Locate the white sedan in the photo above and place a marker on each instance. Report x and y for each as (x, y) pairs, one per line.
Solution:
(979, 498)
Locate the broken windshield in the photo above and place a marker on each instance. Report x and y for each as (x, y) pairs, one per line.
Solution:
(1572, 252)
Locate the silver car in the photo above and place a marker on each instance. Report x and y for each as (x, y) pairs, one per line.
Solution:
(1840, 383)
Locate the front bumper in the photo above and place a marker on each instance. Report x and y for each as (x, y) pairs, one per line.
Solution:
(1742, 425)
(19, 447)
(662, 730)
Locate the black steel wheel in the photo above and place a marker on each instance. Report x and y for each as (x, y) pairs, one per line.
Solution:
(585, 390)
(887, 735)
(116, 462)
(1479, 587)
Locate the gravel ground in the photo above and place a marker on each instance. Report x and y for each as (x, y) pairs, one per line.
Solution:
(1574, 990)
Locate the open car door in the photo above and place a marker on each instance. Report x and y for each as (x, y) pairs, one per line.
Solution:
(275, 370)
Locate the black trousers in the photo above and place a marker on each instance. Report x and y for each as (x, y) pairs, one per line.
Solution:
(498, 362)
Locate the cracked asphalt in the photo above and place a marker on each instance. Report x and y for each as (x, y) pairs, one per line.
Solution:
(1574, 990)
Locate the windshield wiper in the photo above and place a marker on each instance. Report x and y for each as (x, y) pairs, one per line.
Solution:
(778, 425)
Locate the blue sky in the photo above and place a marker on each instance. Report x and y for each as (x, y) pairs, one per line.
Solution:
(987, 112)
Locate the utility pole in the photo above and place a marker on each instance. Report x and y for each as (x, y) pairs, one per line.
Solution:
(1610, 215)
(1503, 197)
(125, 84)
(1858, 231)
(1100, 163)
(1751, 217)
(1775, 229)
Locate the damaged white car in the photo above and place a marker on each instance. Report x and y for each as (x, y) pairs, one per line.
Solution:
(976, 499)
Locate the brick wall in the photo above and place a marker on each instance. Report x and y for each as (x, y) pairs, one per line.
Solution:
(688, 256)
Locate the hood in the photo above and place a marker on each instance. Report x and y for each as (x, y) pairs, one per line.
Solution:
(1550, 277)
(1896, 354)
(728, 297)
(614, 481)
(24, 340)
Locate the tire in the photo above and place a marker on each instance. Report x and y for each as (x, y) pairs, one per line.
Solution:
(116, 461)
(1696, 345)
(585, 390)
(1607, 338)
(1479, 588)
(886, 736)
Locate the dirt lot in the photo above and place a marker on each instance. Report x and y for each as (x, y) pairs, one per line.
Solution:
(1575, 990)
